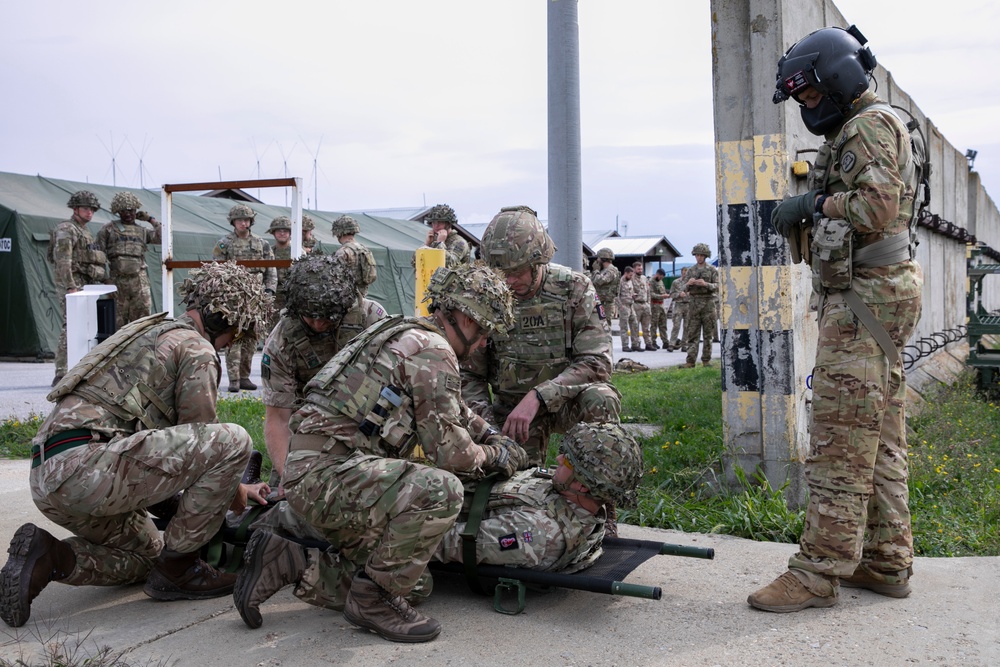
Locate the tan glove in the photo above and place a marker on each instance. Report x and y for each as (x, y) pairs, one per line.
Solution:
(503, 455)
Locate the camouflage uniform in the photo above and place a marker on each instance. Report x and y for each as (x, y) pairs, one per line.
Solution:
(125, 246)
(379, 510)
(606, 283)
(239, 357)
(857, 465)
(640, 304)
(99, 490)
(560, 347)
(679, 305)
(78, 261)
(701, 321)
(628, 323)
(456, 249)
(527, 523)
(658, 322)
(363, 261)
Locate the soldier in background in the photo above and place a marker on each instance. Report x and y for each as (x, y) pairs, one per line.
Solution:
(241, 243)
(658, 321)
(679, 304)
(628, 324)
(552, 371)
(355, 253)
(702, 287)
(640, 303)
(120, 439)
(309, 243)
(555, 517)
(393, 395)
(124, 242)
(606, 278)
(281, 230)
(77, 261)
(314, 326)
(442, 235)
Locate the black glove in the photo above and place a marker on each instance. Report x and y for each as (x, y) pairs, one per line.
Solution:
(794, 211)
(504, 455)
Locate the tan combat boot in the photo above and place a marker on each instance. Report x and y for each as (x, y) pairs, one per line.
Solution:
(390, 616)
(35, 559)
(245, 383)
(893, 585)
(787, 593)
(270, 563)
(177, 576)
(234, 387)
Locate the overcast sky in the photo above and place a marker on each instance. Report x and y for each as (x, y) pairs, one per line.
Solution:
(403, 103)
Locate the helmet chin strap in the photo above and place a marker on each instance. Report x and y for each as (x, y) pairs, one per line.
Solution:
(467, 345)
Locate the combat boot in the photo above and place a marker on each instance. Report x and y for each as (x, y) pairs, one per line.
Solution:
(626, 349)
(270, 563)
(34, 559)
(390, 616)
(234, 387)
(177, 576)
(245, 383)
(688, 365)
(251, 475)
(875, 582)
(787, 593)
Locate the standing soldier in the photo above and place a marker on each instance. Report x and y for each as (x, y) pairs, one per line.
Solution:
(606, 278)
(309, 243)
(442, 235)
(702, 288)
(658, 321)
(628, 324)
(134, 424)
(641, 305)
(314, 326)
(281, 230)
(391, 396)
(552, 371)
(77, 261)
(124, 242)
(679, 303)
(356, 254)
(241, 243)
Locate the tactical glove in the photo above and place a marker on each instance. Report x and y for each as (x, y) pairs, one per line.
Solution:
(793, 211)
(503, 455)
(142, 215)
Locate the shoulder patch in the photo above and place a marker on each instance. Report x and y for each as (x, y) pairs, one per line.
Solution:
(600, 310)
(266, 359)
(848, 161)
(508, 542)
(453, 383)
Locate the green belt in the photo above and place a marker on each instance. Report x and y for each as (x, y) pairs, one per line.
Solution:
(59, 443)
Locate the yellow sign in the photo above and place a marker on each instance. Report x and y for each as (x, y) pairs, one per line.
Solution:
(427, 261)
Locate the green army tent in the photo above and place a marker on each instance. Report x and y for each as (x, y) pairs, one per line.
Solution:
(31, 206)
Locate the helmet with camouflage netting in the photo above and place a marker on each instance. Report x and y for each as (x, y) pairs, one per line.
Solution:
(605, 459)
(441, 213)
(307, 223)
(515, 239)
(281, 222)
(228, 295)
(125, 201)
(345, 224)
(321, 286)
(84, 199)
(701, 249)
(478, 291)
(242, 212)
(606, 253)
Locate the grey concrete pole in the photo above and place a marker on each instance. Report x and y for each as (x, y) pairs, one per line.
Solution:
(565, 180)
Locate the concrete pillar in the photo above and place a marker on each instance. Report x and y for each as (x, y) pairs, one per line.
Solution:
(565, 180)
(769, 333)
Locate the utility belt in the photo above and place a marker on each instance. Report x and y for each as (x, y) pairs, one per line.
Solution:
(61, 442)
(311, 442)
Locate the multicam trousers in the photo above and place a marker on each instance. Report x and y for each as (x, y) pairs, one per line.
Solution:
(857, 467)
(700, 322)
(239, 357)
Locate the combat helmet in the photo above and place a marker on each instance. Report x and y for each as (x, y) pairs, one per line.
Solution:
(281, 222)
(321, 286)
(515, 239)
(125, 201)
(701, 249)
(837, 64)
(478, 291)
(227, 295)
(242, 212)
(606, 253)
(345, 224)
(307, 223)
(84, 199)
(441, 213)
(605, 459)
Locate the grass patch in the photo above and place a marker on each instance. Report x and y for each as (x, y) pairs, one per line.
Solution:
(16, 435)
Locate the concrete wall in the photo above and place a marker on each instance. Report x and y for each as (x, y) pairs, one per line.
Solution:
(769, 337)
